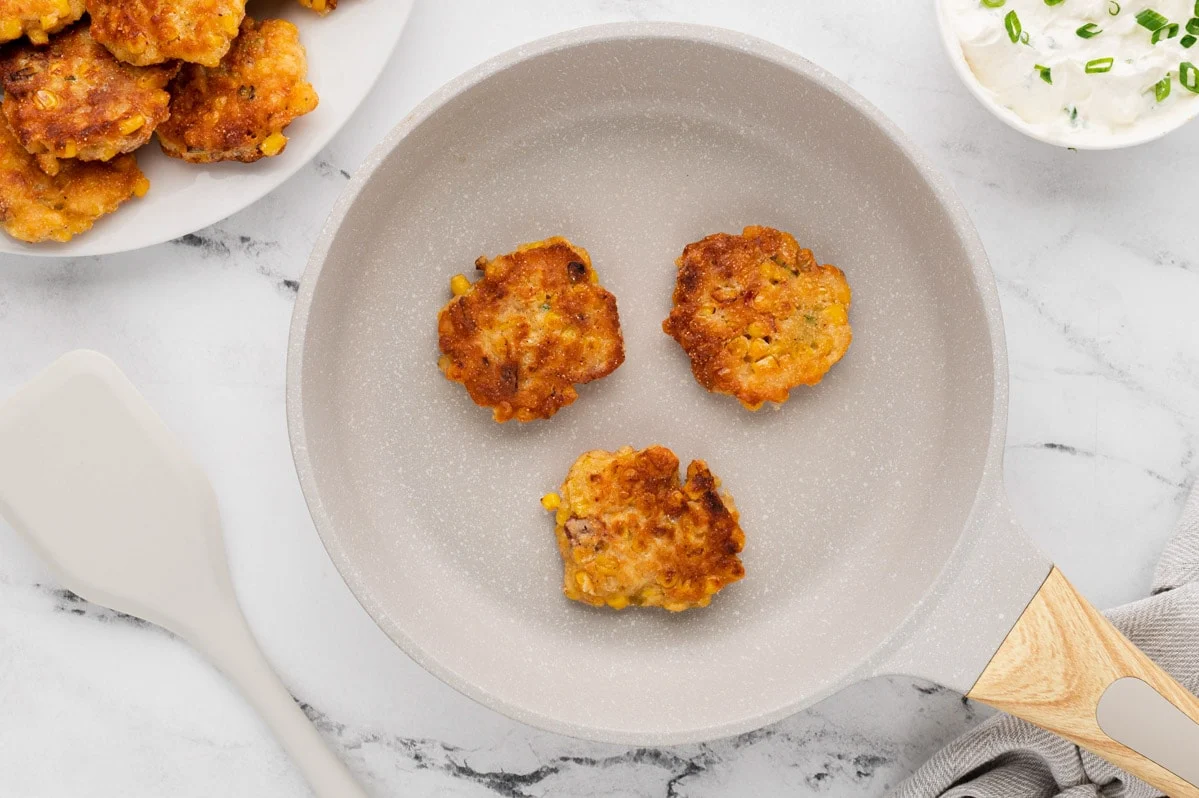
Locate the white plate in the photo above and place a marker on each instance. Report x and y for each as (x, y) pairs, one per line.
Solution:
(347, 51)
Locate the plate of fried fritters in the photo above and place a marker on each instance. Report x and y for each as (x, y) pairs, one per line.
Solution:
(127, 123)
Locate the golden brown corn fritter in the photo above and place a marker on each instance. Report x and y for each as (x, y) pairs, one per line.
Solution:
(537, 324)
(758, 315)
(73, 99)
(630, 533)
(36, 19)
(144, 32)
(36, 206)
(237, 110)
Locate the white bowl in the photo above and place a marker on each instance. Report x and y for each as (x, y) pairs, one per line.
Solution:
(1150, 130)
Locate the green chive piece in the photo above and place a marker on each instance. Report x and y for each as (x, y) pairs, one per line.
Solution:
(1012, 23)
(1165, 32)
(1099, 66)
(1113, 7)
(1046, 73)
(1054, 2)
(993, 3)
(1188, 76)
(1162, 89)
(1089, 31)
(1151, 19)
(1193, 26)
(1188, 41)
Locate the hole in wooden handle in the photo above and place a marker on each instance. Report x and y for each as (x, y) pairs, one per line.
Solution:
(1132, 713)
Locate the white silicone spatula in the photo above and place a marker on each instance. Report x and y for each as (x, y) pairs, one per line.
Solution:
(101, 488)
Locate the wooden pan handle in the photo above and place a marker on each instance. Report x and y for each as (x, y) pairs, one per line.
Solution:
(1065, 668)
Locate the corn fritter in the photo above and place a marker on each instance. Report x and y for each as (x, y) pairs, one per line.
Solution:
(36, 19)
(73, 99)
(757, 315)
(237, 111)
(537, 324)
(630, 533)
(144, 32)
(35, 206)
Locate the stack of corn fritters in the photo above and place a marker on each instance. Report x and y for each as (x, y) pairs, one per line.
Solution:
(80, 95)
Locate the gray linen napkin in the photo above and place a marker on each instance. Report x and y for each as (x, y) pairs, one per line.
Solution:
(1008, 758)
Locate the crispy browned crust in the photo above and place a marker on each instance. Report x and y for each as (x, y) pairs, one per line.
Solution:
(228, 113)
(35, 206)
(758, 315)
(630, 533)
(145, 32)
(536, 325)
(36, 19)
(73, 99)
(321, 7)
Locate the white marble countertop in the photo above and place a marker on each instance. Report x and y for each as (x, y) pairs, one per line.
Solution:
(1097, 256)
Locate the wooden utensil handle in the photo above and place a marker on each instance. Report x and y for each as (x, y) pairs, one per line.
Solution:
(1065, 668)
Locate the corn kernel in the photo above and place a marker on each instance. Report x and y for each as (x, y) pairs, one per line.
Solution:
(758, 349)
(230, 23)
(64, 7)
(141, 187)
(273, 144)
(618, 602)
(38, 36)
(551, 501)
(758, 330)
(49, 21)
(459, 285)
(766, 364)
(69, 150)
(10, 29)
(318, 5)
(135, 122)
(836, 314)
(45, 100)
(738, 347)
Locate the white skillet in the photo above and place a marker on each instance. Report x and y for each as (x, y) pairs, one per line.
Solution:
(879, 538)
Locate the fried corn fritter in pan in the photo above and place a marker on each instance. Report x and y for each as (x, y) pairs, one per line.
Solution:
(35, 206)
(537, 324)
(757, 315)
(237, 111)
(73, 99)
(630, 533)
(36, 19)
(144, 32)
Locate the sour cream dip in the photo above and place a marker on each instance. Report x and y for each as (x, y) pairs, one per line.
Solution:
(1082, 72)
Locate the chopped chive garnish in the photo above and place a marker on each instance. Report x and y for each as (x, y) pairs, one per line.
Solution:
(1046, 73)
(993, 3)
(1188, 76)
(1089, 31)
(1162, 89)
(1193, 26)
(1151, 19)
(1188, 41)
(1054, 2)
(1165, 32)
(1012, 23)
(1113, 7)
(1099, 66)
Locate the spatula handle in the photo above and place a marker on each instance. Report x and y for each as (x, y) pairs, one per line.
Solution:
(227, 641)
(1065, 668)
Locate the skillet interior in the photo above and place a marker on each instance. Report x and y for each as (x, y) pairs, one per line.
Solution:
(632, 144)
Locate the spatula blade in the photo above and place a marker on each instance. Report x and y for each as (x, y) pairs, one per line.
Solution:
(98, 484)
